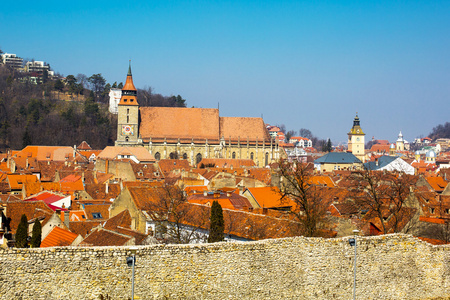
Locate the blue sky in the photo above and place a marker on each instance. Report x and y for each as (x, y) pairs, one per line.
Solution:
(305, 64)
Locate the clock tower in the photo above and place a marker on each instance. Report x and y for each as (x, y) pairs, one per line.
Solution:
(128, 114)
(356, 140)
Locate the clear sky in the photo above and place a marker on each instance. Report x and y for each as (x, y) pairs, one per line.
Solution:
(305, 64)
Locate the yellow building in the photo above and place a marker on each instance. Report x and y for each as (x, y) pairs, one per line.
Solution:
(191, 133)
(356, 140)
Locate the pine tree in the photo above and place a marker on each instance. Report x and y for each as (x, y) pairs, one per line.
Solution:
(329, 146)
(37, 234)
(22, 233)
(216, 227)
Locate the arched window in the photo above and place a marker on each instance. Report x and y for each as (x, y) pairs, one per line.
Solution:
(173, 155)
(233, 156)
(157, 156)
(198, 158)
(184, 156)
(267, 158)
(251, 155)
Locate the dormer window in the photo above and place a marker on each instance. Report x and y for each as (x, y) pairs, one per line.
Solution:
(432, 210)
(124, 100)
(96, 215)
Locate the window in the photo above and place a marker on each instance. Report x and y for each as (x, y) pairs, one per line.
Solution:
(267, 159)
(198, 158)
(157, 156)
(128, 119)
(447, 211)
(233, 156)
(432, 210)
(184, 156)
(97, 215)
(251, 155)
(128, 111)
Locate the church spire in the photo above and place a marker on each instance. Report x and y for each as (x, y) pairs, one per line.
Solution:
(129, 69)
(129, 92)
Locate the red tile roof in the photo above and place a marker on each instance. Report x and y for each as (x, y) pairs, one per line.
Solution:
(58, 237)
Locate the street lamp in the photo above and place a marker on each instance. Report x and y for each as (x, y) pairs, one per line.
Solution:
(352, 243)
(131, 262)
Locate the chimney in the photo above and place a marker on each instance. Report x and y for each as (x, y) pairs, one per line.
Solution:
(58, 212)
(66, 218)
(106, 166)
(26, 163)
(74, 150)
(205, 193)
(228, 194)
(106, 188)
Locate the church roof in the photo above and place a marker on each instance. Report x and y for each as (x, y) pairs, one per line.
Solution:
(174, 123)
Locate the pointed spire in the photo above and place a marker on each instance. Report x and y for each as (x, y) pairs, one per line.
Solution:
(129, 69)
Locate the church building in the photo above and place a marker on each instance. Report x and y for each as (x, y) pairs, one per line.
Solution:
(356, 140)
(191, 133)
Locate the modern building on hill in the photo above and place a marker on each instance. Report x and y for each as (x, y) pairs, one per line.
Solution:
(191, 133)
(356, 140)
(12, 60)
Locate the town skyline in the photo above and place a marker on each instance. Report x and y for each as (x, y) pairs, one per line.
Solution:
(293, 63)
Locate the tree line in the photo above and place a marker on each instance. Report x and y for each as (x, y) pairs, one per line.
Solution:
(33, 114)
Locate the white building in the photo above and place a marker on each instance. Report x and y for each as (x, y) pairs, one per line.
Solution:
(114, 99)
(13, 60)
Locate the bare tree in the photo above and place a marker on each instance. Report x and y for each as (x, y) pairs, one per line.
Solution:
(385, 194)
(309, 204)
(176, 220)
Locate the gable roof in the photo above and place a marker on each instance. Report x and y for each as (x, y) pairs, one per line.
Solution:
(55, 153)
(381, 162)
(112, 152)
(58, 237)
(269, 197)
(187, 124)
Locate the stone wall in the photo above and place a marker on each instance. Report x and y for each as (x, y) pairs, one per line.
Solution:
(388, 267)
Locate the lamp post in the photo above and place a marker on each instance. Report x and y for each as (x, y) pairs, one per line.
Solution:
(131, 262)
(352, 243)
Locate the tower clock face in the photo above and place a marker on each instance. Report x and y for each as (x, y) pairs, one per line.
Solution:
(357, 139)
(127, 129)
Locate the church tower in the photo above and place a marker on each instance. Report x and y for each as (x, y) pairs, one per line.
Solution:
(400, 142)
(356, 140)
(128, 114)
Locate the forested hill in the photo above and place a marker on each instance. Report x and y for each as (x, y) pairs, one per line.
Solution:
(440, 131)
(61, 112)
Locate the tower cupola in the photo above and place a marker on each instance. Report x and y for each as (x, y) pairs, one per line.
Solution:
(129, 92)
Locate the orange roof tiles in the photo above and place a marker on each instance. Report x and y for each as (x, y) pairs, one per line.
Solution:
(32, 209)
(196, 124)
(168, 165)
(55, 153)
(227, 163)
(322, 180)
(84, 146)
(437, 183)
(83, 228)
(226, 200)
(122, 219)
(16, 181)
(58, 237)
(269, 197)
(113, 152)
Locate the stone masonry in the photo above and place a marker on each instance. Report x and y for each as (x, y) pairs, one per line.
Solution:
(388, 267)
